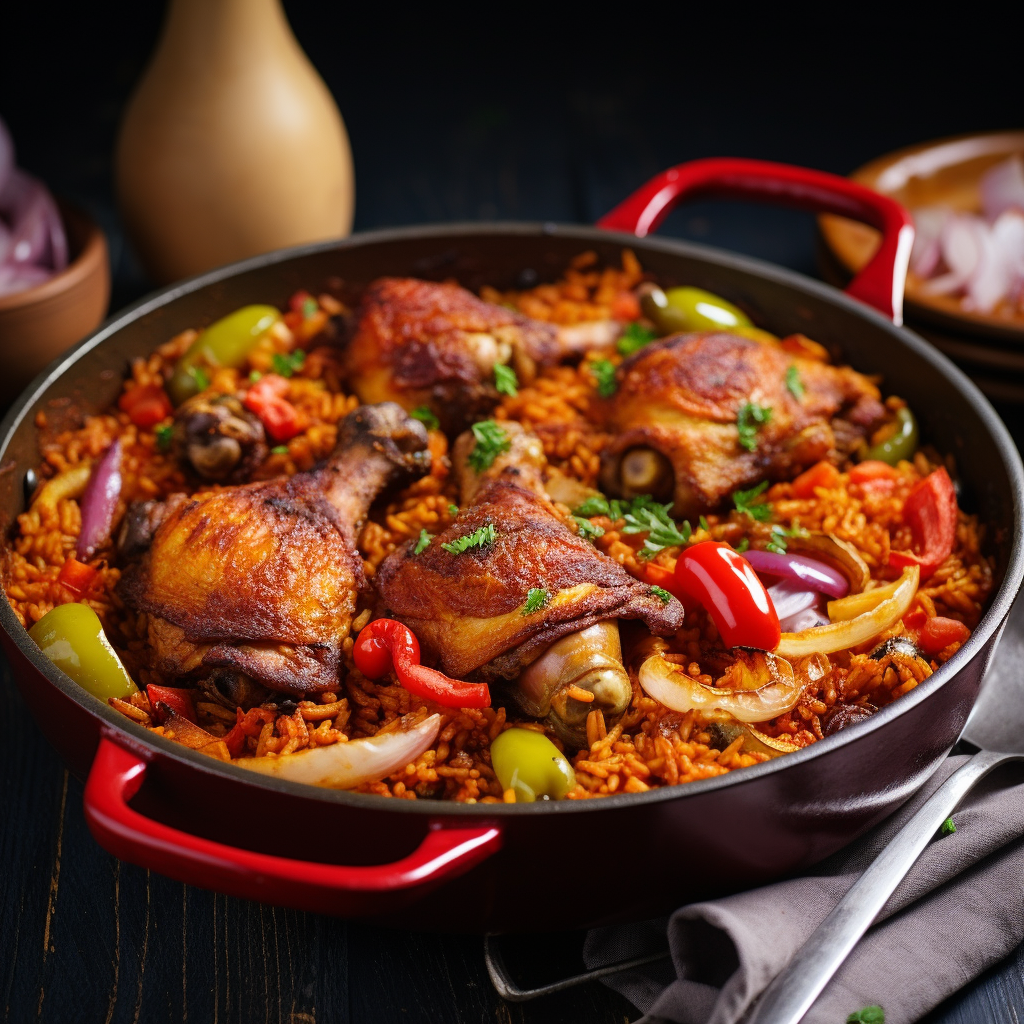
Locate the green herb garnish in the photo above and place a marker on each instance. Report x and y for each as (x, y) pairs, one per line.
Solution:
(287, 363)
(505, 380)
(794, 384)
(491, 441)
(309, 307)
(423, 543)
(660, 527)
(535, 600)
(200, 376)
(662, 593)
(426, 417)
(743, 545)
(255, 376)
(868, 1015)
(750, 419)
(164, 436)
(477, 539)
(703, 523)
(633, 338)
(947, 828)
(586, 529)
(604, 374)
(777, 543)
(281, 449)
(597, 505)
(744, 502)
(453, 510)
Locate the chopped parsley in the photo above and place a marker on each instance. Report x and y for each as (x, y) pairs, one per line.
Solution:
(505, 380)
(744, 502)
(491, 441)
(586, 529)
(426, 417)
(164, 436)
(535, 600)
(477, 539)
(794, 384)
(778, 540)
(604, 375)
(453, 510)
(633, 338)
(743, 545)
(423, 543)
(597, 505)
(281, 449)
(703, 523)
(287, 364)
(200, 376)
(867, 1015)
(255, 376)
(662, 593)
(947, 828)
(660, 527)
(309, 307)
(750, 419)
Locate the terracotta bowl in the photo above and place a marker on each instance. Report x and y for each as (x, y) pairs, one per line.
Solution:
(37, 324)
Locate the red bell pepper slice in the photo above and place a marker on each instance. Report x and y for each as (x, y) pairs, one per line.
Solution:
(386, 643)
(725, 584)
(178, 700)
(931, 513)
(279, 417)
(77, 576)
(146, 405)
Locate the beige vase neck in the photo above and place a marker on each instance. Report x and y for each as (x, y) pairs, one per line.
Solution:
(232, 144)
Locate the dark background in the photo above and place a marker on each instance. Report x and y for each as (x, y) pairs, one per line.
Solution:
(497, 112)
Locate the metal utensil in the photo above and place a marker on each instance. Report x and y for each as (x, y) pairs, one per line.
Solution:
(996, 730)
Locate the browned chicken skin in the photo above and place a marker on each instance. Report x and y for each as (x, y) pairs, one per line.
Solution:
(469, 609)
(420, 343)
(262, 579)
(676, 408)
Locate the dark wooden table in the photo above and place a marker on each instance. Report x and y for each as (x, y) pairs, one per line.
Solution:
(552, 117)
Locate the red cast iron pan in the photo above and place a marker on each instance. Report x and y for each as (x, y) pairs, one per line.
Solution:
(556, 865)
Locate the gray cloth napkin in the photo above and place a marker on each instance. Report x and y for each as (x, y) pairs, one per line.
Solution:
(960, 910)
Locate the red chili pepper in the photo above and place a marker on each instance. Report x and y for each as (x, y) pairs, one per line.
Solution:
(77, 576)
(146, 405)
(279, 417)
(386, 643)
(931, 513)
(179, 701)
(725, 584)
(939, 632)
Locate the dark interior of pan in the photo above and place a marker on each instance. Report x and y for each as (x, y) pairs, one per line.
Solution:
(811, 802)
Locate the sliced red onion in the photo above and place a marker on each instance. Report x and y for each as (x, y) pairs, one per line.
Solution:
(6, 154)
(807, 618)
(927, 252)
(962, 241)
(99, 502)
(810, 572)
(1002, 187)
(1002, 261)
(789, 597)
(17, 278)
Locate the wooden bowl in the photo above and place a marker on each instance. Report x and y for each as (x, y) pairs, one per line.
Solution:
(990, 347)
(39, 323)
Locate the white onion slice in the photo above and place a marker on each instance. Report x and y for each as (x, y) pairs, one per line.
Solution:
(927, 252)
(347, 765)
(962, 242)
(1002, 187)
(790, 597)
(807, 618)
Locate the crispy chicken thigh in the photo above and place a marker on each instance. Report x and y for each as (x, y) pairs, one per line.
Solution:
(679, 403)
(261, 579)
(420, 343)
(473, 614)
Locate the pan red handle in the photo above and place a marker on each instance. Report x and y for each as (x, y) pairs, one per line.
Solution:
(117, 774)
(879, 284)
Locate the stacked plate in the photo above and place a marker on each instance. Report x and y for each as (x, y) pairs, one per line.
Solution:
(989, 347)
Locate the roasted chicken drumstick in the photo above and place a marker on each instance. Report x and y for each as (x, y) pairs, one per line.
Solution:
(262, 579)
(697, 416)
(509, 592)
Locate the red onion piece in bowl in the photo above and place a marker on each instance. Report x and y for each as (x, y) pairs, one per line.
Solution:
(814, 575)
(99, 502)
(1002, 187)
(6, 154)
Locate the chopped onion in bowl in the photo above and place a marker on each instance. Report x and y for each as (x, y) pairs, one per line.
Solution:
(349, 764)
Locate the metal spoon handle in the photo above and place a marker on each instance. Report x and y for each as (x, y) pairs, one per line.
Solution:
(792, 993)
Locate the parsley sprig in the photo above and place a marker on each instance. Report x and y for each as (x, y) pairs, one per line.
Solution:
(164, 436)
(426, 417)
(662, 594)
(661, 529)
(491, 441)
(633, 338)
(536, 599)
(867, 1015)
(586, 529)
(422, 543)
(604, 377)
(744, 502)
(750, 419)
(286, 364)
(477, 539)
(505, 380)
(794, 384)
